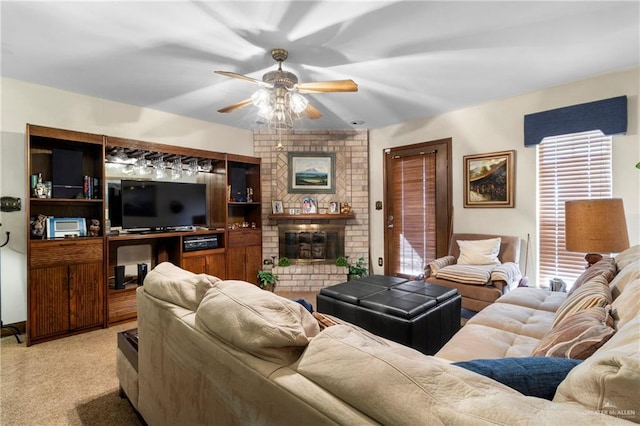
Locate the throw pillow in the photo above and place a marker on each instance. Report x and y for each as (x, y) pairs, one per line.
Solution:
(579, 335)
(531, 376)
(479, 252)
(605, 267)
(594, 293)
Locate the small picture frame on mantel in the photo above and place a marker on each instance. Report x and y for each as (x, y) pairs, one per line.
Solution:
(277, 207)
(334, 207)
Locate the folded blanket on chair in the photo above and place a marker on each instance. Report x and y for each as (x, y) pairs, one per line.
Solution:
(467, 274)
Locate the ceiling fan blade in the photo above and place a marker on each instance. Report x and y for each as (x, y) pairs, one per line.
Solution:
(328, 86)
(243, 77)
(312, 112)
(236, 106)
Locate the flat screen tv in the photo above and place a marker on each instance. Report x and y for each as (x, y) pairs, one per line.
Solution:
(162, 205)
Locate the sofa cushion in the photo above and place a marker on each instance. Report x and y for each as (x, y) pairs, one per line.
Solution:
(475, 341)
(531, 376)
(626, 306)
(608, 381)
(594, 293)
(467, 274)
(516, 319)
(605, 267)
(257, 321)
(175, 285)
(535, 298)
(630, 255)
(624, 277)
(413, 389)
(579, 335)
(479, 252)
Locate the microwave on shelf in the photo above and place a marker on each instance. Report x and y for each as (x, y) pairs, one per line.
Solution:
(60, 227)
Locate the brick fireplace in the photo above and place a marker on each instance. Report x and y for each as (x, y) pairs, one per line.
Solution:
(313, 271)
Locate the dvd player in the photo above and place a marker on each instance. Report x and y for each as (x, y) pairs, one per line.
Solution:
(199, 242)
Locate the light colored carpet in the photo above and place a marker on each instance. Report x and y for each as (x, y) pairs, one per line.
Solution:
(69, 381)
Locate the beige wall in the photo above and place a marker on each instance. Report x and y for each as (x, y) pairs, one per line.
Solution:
(498, 126)
(24, 103)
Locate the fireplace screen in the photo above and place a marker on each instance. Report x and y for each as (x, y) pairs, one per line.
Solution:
(311, 243)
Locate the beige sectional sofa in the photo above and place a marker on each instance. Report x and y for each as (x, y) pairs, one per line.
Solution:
(225, 352)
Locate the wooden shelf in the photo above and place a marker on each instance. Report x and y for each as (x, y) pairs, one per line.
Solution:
(310, 216)
(66, 200)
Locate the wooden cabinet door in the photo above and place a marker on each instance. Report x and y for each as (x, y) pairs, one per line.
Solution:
(48, 301)
(216, 265)
(195, 264)
(86, 295)
(253, 264)
(235, 263)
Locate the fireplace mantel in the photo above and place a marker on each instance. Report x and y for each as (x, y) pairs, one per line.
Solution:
(310, 216)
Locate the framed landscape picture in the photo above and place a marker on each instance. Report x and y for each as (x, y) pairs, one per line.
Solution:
(311, 172)
(489, 179)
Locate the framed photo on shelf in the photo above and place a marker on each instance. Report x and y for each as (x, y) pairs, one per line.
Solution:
(277, 207)
(309, 205)
(489, 179)
(312, 172)
(334, 207)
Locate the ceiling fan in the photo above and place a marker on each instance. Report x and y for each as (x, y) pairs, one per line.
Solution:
(279, 98)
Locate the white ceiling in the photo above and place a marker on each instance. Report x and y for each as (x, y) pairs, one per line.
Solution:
(411, 59)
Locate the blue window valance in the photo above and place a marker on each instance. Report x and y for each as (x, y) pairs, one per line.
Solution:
(607, 115)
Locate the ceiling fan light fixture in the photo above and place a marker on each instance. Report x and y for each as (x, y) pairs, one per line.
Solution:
(279, 99)
(261, 98)
(297, 102)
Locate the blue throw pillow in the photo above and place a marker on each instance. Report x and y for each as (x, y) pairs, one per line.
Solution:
(532, 376)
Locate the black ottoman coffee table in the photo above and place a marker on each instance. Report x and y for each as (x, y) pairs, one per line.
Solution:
(417, 314)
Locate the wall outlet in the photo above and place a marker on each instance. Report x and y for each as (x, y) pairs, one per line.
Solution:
(379, 261)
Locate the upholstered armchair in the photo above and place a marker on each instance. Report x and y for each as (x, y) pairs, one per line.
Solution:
(482, 267)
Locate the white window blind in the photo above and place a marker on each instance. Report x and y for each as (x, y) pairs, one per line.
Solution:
(570, 167)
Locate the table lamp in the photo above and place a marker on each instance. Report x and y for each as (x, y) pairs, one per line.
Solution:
(595, 226)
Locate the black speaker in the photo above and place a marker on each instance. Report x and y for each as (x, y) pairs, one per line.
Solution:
(238, 184)
(119, 273)
(142, 273)
(66, 173)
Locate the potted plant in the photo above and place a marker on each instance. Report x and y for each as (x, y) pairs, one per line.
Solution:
(284, 261)
(342, 261)
(267, 280)
(357, 270)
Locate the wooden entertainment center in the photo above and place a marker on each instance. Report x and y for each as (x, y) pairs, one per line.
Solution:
(70, 283)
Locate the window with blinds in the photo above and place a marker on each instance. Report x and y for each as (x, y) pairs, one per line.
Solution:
(570, 167)
(414, 212)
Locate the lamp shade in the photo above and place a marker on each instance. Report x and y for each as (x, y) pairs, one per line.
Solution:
(596, 225)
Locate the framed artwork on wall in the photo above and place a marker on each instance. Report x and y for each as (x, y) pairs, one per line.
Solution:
(489, 179)
(312, 172)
